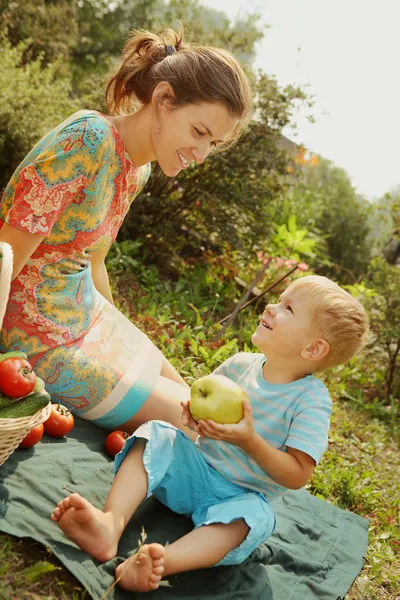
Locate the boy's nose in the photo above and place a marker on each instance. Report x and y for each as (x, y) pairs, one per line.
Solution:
(271, 309)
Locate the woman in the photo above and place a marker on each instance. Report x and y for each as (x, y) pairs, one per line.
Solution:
(173, 103)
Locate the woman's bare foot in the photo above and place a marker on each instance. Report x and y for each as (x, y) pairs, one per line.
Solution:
(142, 572)
(90, 528)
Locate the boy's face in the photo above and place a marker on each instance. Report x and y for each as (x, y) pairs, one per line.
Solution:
(286, 328)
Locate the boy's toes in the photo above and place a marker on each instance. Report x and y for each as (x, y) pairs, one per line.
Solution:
(56, 514)
(63, 505)
(156, 551)
(77, 501)
(60, 509)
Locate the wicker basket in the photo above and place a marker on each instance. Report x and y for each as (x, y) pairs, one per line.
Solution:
(13, 431)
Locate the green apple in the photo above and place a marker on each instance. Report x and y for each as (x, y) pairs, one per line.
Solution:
(216, 398)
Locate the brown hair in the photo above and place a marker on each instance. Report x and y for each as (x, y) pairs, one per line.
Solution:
(338, 317)
(196, 74)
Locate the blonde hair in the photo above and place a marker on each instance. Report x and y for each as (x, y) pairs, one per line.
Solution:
(196, 74)
(339, 318)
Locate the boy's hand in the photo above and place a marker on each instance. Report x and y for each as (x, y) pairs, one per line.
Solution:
(238, 434)
(186, 417)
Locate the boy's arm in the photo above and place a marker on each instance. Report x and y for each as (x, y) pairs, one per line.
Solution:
(290, 469)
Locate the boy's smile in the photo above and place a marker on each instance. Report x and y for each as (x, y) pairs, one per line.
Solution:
(265, 324)
(286, 327)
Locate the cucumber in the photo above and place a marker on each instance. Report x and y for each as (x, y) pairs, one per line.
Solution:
(39, 385)
(27, 406)
(6, 401)
(13, 354)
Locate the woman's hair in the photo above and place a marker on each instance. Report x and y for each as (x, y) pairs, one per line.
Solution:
(196, 74)
(339, 318)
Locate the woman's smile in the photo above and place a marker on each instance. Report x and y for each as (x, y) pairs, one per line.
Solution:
(185, 163)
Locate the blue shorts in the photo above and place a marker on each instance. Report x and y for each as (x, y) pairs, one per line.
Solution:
(180, 477)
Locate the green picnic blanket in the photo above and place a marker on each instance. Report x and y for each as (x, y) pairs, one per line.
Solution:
(316, 552)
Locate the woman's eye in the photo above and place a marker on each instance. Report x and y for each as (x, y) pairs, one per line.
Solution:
(200, 133)
(289, 308)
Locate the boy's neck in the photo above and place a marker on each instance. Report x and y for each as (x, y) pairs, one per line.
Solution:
(282, 373)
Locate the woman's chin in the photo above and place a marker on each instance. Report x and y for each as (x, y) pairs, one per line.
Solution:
(170, 171)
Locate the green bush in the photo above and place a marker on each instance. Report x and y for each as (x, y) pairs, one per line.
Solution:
(33, 99)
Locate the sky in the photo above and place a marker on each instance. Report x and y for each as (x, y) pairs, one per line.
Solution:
(347, 52)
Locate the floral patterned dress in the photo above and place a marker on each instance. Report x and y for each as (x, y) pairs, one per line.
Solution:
(75, 188)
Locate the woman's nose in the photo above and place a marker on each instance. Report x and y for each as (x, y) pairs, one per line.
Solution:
(200, 153)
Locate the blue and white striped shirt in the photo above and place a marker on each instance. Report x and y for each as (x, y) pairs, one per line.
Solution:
(295, 414)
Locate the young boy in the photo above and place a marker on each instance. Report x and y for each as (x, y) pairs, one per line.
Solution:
(226, 479)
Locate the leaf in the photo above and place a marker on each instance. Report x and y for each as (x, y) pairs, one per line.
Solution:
(35, 571)
(194, 347)
(292, 224)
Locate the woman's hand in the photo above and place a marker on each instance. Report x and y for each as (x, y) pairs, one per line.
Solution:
(238, 434)
(187, 419)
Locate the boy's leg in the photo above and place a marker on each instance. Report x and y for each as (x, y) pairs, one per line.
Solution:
(203, 547)
(96, 531)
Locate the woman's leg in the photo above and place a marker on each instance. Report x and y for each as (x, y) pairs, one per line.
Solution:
(203, 547)
(163, 404)
(169, 371)
(97, 531)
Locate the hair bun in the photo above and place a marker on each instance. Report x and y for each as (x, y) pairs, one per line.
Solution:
(170, 50)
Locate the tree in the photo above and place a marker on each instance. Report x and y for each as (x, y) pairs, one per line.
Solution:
(324, 200)
(385, 227)
(33, 99)
(49, 25)
(381, 297)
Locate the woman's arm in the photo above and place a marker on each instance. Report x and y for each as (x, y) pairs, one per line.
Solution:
(23, 244)
(100, 275)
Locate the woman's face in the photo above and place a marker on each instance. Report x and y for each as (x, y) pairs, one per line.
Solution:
(188, 133)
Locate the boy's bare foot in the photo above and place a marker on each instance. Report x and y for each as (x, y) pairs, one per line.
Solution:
(142, 572)
(90, 528)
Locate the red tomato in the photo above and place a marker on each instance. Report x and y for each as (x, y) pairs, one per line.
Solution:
(16, 377)
(115, 441)
(33, 437)
(60, 421)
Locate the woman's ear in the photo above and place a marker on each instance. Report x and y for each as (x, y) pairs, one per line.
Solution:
(163, 94)
(316, 350)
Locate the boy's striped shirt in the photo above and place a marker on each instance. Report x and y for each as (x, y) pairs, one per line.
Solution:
(295, 414)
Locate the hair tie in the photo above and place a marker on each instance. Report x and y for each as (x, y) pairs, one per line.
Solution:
(170, 50)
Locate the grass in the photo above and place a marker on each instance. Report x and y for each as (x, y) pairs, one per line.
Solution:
(359, 472)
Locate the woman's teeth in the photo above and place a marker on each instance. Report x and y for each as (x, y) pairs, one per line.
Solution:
(183, 160)
(265, 324)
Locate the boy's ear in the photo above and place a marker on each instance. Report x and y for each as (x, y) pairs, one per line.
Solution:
(316, 350)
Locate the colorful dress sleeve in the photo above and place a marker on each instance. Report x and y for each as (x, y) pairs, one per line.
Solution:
(53, 175)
